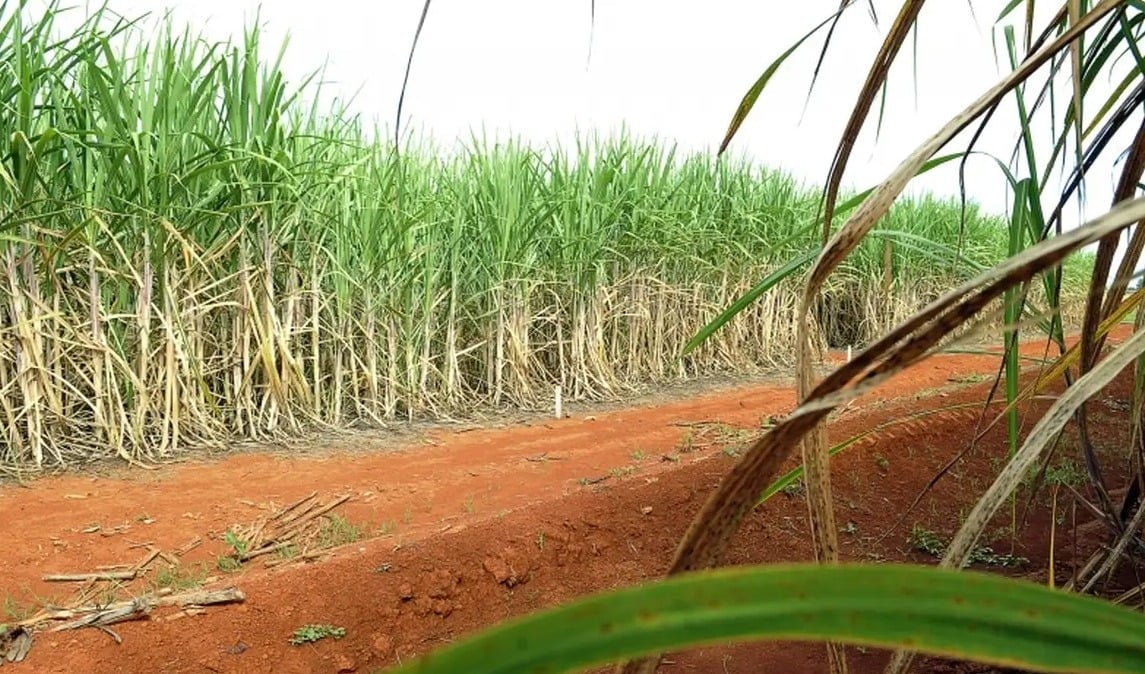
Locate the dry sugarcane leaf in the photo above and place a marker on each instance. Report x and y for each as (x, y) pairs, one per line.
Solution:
(711, 530)
(879, 202)
(876, 79)
(1127, 535)
(1041, 437)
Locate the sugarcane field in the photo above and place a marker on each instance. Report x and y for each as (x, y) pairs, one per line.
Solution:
(292, 384)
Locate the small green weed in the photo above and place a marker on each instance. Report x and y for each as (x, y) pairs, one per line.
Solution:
(228, 564)
(308, 634)
(925, 540)
(687, 443)
(238, 545)
(622, 471)
(794, 489)
(15, 610)
(232, 562)
(637, 455)
(180, 578)
(987, 556)
(337, 530)
(1066, 474)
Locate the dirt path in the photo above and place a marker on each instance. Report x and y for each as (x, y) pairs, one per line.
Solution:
(469, 528)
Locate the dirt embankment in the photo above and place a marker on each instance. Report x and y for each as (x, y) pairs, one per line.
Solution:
(464, 529)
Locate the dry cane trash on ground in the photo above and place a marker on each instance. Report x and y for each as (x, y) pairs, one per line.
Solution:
(91, 605)
(294, 532)
(298, 526)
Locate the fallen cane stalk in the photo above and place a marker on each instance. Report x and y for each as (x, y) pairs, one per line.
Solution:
(91, 616)
(82, 577)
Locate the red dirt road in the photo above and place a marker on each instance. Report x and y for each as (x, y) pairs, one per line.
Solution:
(474, 527)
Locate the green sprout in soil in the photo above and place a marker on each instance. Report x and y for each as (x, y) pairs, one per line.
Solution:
(794, 489)
(687, 443)
(1066, 474)
(15, 610)
(237, 545)
(337, 530)
(180, 578)
(622, 471)
(308, 634)
(231, 562)
(986, 555)
(925, 540)
(228, 564)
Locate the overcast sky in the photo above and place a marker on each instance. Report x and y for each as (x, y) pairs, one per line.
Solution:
(670, 69)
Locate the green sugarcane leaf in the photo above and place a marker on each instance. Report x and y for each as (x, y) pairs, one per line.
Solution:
(967, 615)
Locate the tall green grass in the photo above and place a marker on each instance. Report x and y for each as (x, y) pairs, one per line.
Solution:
(196, 250)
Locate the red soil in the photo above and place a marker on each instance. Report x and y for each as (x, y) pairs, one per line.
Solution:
(450, 519)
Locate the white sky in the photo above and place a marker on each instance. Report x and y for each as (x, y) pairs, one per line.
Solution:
(671, 69)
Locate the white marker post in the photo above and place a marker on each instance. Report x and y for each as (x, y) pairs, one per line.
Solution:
(557, 402)
(848, 353)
